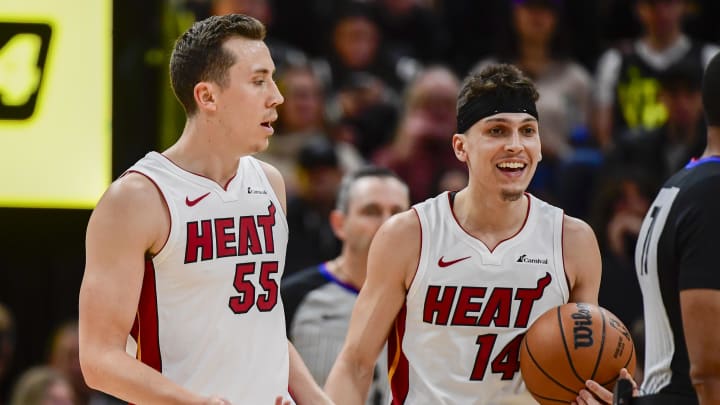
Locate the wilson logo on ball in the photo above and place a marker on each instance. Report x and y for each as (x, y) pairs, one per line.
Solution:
(582, 331)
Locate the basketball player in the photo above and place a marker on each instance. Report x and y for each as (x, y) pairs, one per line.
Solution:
(677, 267)
(455, 282)
(185, 251)
(319, 300)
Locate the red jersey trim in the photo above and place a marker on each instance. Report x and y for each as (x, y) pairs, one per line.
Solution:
(225, 187)
(562, 250)
(398, 363)
(527, 215)
(145, 329)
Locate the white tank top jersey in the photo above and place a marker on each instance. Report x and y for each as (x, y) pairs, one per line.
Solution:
(457, 339)
(210, 317)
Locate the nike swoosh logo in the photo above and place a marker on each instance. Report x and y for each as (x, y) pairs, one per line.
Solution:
(443, 263)
(190, 202)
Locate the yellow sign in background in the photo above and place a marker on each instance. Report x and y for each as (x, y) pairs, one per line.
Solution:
(55, 118)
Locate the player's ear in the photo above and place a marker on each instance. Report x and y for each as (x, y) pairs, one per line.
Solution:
(458, 144)
(204, 94)
(337, 221)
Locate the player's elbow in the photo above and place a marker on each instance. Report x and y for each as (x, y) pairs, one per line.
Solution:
(705, 376)
(91, 367)
(358, 363)
(89, 370)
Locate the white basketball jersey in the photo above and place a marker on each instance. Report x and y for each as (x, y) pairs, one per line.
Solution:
(457, 339)
(210, 317)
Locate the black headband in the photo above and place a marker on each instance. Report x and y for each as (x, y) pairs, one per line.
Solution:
(491, 104)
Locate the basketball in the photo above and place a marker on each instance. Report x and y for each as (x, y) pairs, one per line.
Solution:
(571, 344)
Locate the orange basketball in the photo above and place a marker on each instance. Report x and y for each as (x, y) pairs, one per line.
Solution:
(570, 344)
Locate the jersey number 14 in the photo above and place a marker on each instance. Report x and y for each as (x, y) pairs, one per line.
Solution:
(506, 362)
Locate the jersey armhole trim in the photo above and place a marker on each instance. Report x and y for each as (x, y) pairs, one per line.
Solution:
(273, 196)
(560, 256)
(419, 270)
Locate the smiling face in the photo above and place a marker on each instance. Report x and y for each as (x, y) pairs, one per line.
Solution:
(502, 152)
(244, 107)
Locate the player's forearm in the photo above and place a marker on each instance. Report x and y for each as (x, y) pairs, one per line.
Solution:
(303, 387)
(116, 373)
(347, 384)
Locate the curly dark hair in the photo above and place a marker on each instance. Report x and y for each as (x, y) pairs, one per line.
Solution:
(498, 79)
(199, 54)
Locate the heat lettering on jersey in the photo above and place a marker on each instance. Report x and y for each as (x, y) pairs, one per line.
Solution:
(440, 306)
(225, 237)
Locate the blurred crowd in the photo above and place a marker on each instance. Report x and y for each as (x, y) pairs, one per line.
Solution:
(376, 81)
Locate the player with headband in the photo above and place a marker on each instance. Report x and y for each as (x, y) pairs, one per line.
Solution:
(453, 283)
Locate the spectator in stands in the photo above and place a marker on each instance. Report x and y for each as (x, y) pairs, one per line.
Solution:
(537, 44)
(413, 33)
(311, 238)
(300, 118)
(7, 350)
(627, 75)
(662, 151)
(421, 152)
(43, 386)
(284, 55)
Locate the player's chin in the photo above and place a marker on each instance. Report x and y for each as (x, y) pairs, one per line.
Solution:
(512, 193)
(261, 146)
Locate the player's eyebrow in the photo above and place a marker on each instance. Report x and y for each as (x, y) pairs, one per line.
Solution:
(263, 71)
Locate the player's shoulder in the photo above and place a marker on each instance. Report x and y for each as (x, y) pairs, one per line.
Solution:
(272, 172)
(575, 225)
(132, 189)
(399, 237)
(403, 223)
(132, 207)
(395, 249)
(576, 231)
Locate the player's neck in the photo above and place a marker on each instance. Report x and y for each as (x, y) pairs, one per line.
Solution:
(194, 153)
(490, 219)
(348, 269)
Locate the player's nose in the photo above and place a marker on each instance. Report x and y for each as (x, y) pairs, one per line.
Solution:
(514, 143)
(276, 98)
